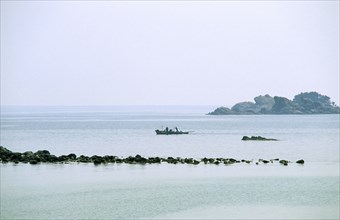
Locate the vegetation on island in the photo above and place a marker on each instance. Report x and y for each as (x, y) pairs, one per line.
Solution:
(303, 103)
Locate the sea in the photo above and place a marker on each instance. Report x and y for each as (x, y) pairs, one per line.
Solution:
(169, 191)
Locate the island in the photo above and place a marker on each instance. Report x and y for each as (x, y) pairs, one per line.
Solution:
(303, 103)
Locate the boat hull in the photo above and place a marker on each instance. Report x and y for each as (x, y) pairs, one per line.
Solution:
(159, 132)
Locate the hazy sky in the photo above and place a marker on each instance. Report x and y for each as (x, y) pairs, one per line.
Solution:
(163, 52)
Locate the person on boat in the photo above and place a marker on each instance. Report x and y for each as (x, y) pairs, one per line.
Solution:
(166, 129)
(176, 129)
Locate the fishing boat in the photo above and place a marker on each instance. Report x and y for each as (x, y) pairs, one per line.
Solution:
(168, 131)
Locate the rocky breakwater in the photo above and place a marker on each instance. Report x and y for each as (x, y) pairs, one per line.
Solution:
(44, 156)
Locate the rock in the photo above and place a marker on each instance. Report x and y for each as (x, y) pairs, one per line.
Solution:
(232, 160)
(72, 157)
(109, 159)
(284, 162)
(221, 111)
(171, 160)
(28, 153)
(15, 156)
(33, 162)
(118, 160)
(284, 106)
(205, 160)
(180, 160)
(300, 161)
(129, 160)
(246, 161)
(5, 154)
(211, 160)
(265, 161)
(246, 108)
(264, 103)
(154, 160)
(196, 162)
(315, 103)
(141, 160)
(189, 160)
(246, 138)
(63, 158)
(229, 161)
(41, 155)
(52, 159)
(257, 138)
(42, 152)
(97, 161)
(83, 159)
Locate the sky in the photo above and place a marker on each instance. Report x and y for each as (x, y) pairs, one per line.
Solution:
(166, 52)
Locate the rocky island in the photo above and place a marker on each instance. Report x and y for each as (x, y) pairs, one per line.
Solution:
(303, 103)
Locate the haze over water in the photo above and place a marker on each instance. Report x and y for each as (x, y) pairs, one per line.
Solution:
(219, 53)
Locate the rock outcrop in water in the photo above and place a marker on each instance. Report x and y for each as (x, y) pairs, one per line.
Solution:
(304, 103)
(44, 156)
(257, 138)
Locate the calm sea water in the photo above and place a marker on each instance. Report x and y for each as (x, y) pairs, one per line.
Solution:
(78, 191)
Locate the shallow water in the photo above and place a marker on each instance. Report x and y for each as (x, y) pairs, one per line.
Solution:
(79, 191)
(239, 191)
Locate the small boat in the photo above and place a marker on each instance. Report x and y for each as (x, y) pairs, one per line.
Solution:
(168, 131)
